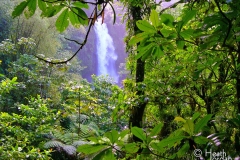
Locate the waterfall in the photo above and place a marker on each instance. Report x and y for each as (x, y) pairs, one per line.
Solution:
(106, 55)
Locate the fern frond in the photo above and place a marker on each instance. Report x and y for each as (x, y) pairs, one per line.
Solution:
(70, 137)
(69, 149)
(53, 144)
(58, 135)
(94, 128)
(83, 118)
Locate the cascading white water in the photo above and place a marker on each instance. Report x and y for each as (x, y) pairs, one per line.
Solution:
(106, 54)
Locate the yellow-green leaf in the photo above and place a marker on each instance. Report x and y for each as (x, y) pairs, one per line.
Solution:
(179, 119)
(188, 127)
(154, 18)
(14, 79)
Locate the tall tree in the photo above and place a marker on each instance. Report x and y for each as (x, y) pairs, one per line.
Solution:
(136, 113)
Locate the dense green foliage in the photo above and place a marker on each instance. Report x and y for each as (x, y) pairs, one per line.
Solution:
(188, 91)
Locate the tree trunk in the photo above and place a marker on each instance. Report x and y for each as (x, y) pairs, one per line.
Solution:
(138, 110)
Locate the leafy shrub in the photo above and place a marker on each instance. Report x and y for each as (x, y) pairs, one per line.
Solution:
(21, 134)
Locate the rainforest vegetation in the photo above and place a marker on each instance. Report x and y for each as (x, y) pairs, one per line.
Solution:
(180, 99)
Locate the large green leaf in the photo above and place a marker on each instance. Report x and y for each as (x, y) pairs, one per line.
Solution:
(32, 6)
(170, 141)
(180, 44)
(167, 19)
(138, 132)
(195, 116)
(109, 155)
(19, 9)
(154, 18)
(145, 26)
(82, 16)
(166, 32)
(187, 34)
(212, 20)
(158, 52)
(94, 139)
(131, 148)
(154, 145)
(112, 136)
(52, 11)
(156, 129)
(91, 148)
(188, 15)
(183, 149)
(81, 5)
(62, 21)
(144, 51)
(138, 38)
(203, 122)
(74, 19)
(200, 140)
(124, 133)
(42, 5)
(106, 154)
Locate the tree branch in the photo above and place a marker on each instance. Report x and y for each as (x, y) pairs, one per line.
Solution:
(228, 20)
(81, 45)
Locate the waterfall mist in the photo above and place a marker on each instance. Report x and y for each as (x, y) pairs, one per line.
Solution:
(106, 55)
